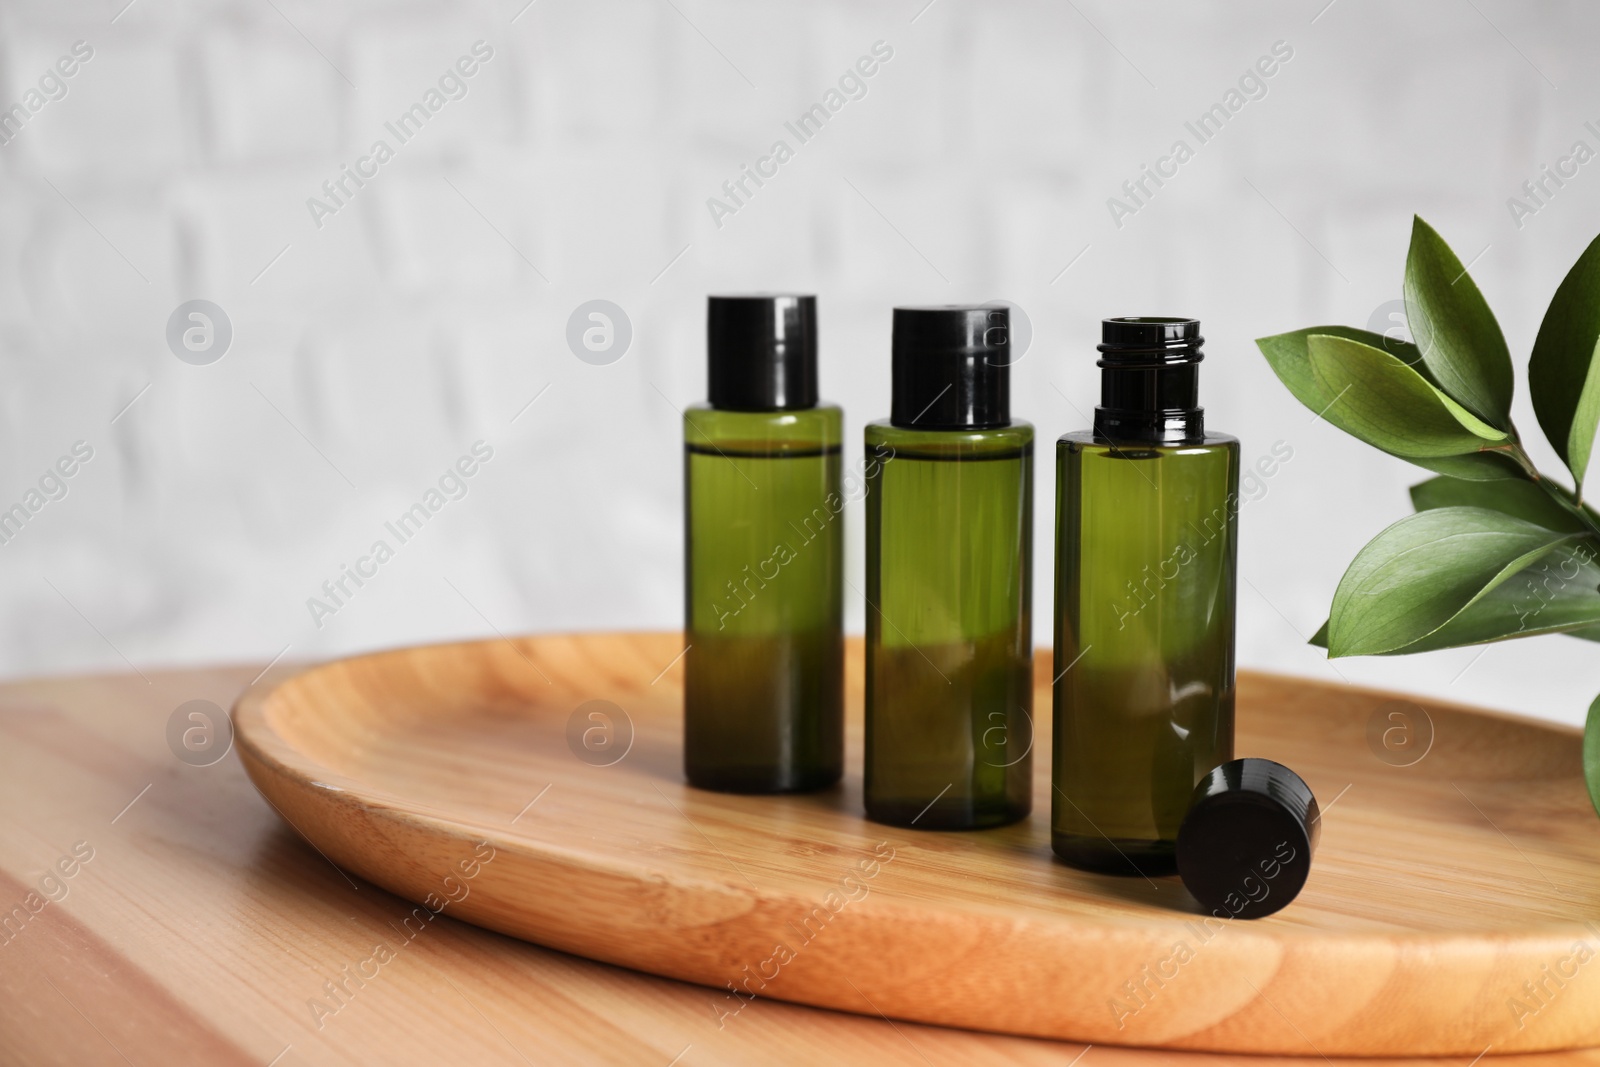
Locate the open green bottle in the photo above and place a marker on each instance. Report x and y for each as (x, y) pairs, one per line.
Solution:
(763, 708)
(949, 694)
(1146, 547)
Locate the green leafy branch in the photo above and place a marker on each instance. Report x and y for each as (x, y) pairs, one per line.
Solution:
(1496, 549)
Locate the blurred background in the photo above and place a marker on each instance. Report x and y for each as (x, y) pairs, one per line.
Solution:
(371, 314)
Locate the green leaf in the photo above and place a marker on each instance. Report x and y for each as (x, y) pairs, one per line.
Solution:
(1419, 574)
(1490, 465)
(1379, 399)
(1525, 500)
(1591, 754)
(1289, 356)
(1562, 375)
(1555, 594)
(1580, 439)
(1320, 638)
(1460, 340)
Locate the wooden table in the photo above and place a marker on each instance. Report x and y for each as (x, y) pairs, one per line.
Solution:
(201, 929)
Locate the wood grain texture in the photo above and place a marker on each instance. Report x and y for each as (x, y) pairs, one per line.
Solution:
(203, 929)
(1444, 894)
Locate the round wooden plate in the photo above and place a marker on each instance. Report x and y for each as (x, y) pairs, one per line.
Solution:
(1453, 905)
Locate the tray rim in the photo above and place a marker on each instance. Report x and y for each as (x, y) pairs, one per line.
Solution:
(271, 760)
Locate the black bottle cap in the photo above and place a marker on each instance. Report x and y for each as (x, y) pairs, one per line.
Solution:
(1244, 849)
(762, 351)
(952, 368)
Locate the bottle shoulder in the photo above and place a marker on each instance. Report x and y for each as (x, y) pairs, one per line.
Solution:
(1016, 431)
(820, 410)
(1013, 439)
(819, 426)
(1089, 440)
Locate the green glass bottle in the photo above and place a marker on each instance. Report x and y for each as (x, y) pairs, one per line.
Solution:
(949, 694)
(1146, 546)
(763, 557)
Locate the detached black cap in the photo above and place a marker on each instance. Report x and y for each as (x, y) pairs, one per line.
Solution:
(762, 350)
(1244, 849)
(952, 368)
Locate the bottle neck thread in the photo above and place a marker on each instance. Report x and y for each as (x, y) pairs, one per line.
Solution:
(1150, 381)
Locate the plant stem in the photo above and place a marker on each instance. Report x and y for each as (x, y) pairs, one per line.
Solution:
(1572, 501)
(1514, 450)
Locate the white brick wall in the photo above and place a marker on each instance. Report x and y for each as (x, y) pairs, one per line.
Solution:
(411, 324)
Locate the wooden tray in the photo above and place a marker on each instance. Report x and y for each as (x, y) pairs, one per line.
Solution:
(1445, 914)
